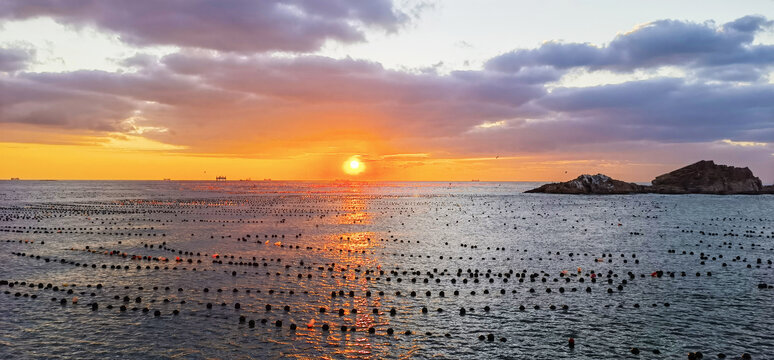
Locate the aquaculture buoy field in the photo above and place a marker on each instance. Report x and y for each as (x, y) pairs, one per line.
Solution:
(380, 270)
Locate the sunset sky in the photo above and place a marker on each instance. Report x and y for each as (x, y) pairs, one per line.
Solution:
(410, 89)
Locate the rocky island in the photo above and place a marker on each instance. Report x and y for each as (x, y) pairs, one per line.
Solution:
(703, 177)
(590, 184)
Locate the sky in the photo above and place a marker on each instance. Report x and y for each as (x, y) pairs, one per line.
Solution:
(409, 89)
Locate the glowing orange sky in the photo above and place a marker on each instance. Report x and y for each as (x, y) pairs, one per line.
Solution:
(101, 161)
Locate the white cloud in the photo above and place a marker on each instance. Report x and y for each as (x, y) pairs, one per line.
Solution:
(744, 143)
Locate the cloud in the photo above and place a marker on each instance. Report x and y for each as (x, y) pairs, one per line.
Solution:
(660, 43)
(404, 101)
(207, 101)
(248, 104)
(664, 110)
(14, 59)
(228, 25)
(40, 104)
(748, 24)
(744, 143)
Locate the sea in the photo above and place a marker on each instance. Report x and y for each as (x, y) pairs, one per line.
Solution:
(379, 270)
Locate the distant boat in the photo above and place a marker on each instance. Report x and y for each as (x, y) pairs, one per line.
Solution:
(266, 179)
(474, 180)
(220, 178)
(14, 179)
(167, 179)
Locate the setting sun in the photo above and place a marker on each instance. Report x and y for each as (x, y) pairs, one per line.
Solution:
(353, 166)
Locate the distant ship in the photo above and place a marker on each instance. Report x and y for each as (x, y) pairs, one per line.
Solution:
(167, 179)
(220, 178)
(14, 179)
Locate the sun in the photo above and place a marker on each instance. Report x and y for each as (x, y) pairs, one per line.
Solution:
(353, 165)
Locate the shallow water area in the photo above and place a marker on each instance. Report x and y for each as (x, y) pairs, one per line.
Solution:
(275, 269)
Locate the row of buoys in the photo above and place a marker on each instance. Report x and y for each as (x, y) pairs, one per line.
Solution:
(287, 266)
(426, 280)
(325, 327)
(532, 277)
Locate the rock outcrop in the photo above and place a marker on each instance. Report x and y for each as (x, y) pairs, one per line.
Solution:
(705, 177)
(590, 184)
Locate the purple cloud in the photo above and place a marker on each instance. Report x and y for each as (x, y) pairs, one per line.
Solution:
(209, 100)
(656, 44)
(14, 59)
(664, 110)
(41, 104)
(227, 25)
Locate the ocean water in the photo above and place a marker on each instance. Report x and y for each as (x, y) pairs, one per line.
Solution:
(531, 270)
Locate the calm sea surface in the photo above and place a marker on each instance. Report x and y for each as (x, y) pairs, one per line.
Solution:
(227, 270)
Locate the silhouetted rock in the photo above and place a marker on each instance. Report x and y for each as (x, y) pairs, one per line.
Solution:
(705, 177)
(590, 184)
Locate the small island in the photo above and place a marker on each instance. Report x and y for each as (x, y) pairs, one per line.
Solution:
(703, 177)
